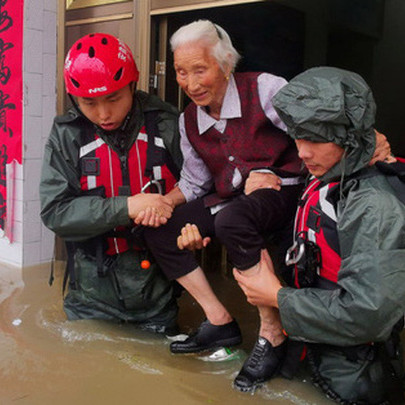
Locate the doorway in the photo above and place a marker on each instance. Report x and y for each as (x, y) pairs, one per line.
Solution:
(270, 37)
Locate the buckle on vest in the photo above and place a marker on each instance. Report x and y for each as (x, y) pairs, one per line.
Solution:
(90, 166)
(154, 186)
(295, 252)
(306, 257)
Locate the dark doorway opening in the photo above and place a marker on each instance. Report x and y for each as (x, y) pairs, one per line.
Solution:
(270, 37)
(364, 36)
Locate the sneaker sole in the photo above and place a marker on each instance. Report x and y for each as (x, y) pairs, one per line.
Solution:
(218, 345)
(250, 390)
(257, 384)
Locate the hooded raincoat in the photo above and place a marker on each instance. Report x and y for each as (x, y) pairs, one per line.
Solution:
(332, 105)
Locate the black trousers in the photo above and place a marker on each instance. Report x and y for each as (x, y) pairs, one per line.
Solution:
(241, 226)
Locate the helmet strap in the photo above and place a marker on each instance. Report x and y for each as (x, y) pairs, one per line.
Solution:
(128, 117)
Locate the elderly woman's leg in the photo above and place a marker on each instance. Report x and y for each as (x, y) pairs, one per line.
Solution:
(219, 329)
(242, 227)
(198, 286)
(270, 321)
(270, 348)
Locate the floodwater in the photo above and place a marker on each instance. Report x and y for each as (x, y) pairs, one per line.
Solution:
(45, 359)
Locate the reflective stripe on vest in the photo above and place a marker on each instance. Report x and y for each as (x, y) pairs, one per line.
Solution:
(316, 221)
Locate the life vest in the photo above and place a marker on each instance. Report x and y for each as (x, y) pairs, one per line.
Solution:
(146, 167)
(315, 252)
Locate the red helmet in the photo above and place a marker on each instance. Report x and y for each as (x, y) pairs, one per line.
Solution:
(98, 64)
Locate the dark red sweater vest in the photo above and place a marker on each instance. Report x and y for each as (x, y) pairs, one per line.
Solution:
(249, 142)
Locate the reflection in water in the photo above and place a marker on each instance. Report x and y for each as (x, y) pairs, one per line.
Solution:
(46, 359)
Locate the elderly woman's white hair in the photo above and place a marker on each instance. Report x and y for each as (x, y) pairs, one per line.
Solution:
(214, 36)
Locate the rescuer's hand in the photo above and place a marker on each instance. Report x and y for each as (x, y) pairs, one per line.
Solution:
(260, 288)
(258, 180)
(149, 209)
(191, 238)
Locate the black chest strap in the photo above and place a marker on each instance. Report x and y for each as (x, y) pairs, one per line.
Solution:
(156, 156)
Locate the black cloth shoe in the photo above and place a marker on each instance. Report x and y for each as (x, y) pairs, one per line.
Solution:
(209, 336)
(262, 363)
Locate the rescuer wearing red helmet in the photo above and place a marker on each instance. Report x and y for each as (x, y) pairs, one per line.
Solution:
(108, 164)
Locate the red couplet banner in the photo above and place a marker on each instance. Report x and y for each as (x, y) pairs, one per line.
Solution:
(11, 85)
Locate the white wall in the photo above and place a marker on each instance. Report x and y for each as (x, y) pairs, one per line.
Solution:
(33, 244)
(39, 109)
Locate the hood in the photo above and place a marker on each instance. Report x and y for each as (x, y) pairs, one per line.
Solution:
(327, 104)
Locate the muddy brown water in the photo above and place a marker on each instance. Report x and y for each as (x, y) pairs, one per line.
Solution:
(45, 359)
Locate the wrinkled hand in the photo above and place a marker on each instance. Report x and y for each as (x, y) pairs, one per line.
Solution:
(260, 288)
(191, 238)
(150, 209)
(257, 180)
(382, 150)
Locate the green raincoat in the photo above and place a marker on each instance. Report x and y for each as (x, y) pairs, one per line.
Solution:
(332, 105)
(128, 293)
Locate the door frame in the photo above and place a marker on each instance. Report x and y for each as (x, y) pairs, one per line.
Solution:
(171, 7)
(143, 11)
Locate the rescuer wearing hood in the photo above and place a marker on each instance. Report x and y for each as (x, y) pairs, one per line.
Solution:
(108, 163)
(349, 242)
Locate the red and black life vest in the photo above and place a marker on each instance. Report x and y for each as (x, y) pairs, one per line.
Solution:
(145, 167)
(316, 252)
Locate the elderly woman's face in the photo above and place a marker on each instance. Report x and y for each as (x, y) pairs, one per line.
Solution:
(200, 76)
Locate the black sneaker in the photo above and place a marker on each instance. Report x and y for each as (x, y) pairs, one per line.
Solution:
(209, 336)
(262, 363)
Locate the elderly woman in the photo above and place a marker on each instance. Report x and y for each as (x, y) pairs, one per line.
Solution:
(240, 181)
